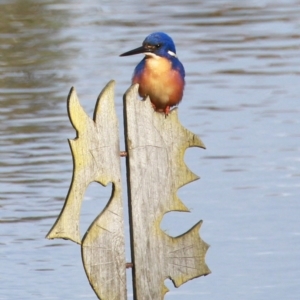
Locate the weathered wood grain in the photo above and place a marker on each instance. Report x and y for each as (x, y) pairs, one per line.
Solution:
(155, 144)
(96, 157)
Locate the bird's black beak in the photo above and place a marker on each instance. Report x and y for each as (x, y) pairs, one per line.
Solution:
(139, 50)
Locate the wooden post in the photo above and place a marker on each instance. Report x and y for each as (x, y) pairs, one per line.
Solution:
(155, 146)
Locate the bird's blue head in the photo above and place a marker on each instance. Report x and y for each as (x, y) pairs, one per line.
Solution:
(158, 43)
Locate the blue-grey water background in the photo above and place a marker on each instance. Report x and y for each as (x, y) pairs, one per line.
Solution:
(242, 97)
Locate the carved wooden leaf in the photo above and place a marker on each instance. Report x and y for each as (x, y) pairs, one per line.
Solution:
(156, 144)
(96, 157)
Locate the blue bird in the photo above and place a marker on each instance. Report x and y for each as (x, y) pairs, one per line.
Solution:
(160, 74)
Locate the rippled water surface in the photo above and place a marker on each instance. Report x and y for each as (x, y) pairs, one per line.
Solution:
(242, 98)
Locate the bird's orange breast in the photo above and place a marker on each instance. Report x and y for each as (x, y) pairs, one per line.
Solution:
(160, 82)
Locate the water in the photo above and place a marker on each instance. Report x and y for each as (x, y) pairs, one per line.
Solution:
(242, 98)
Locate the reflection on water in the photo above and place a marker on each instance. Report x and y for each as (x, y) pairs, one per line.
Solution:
(242, 63)
(35, 56)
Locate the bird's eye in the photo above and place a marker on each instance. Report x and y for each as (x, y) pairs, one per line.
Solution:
(157, 46)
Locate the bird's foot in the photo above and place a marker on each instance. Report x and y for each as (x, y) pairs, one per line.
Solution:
(154, 107)
(165, 110)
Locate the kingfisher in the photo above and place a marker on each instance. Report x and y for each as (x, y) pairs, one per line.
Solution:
(160, 74)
